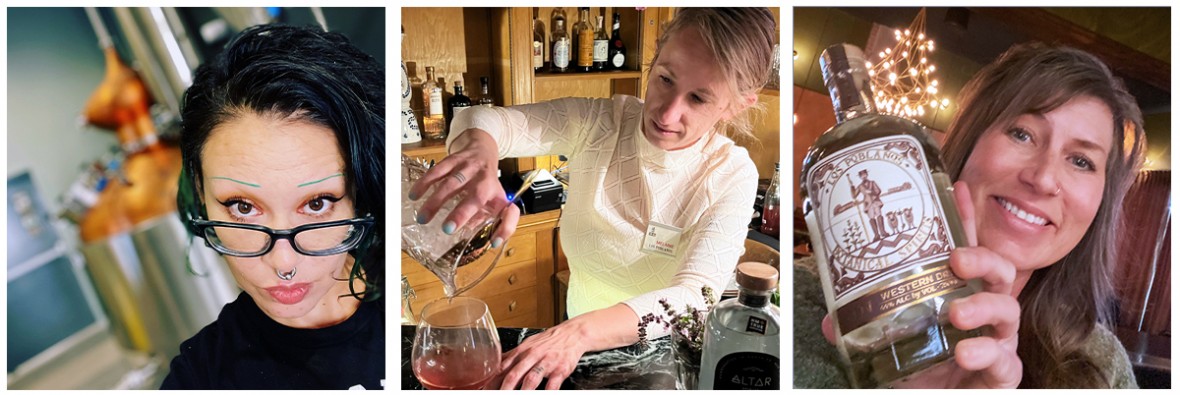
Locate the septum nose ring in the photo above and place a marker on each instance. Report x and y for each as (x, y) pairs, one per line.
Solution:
(286, 276)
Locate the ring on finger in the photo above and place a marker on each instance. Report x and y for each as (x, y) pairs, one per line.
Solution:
(459, 176)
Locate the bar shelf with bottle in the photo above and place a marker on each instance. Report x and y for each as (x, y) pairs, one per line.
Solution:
(594, 75)
(468, 43)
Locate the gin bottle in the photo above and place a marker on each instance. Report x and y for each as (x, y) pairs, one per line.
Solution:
(741, 335)
(883, 221)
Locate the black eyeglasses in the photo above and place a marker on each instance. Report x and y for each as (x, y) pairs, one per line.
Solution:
(317, 239)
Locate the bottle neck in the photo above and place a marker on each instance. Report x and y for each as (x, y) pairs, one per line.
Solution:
(848, 83)
(852, 96)
(753, 298)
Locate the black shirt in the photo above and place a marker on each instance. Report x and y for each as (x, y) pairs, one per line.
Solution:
(245, 349)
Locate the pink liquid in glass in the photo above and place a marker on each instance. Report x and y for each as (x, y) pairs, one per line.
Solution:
(447, 368)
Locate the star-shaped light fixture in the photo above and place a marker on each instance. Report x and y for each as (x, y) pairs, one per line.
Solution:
(903, 77)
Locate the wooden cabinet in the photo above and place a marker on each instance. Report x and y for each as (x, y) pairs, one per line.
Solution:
(518, 291)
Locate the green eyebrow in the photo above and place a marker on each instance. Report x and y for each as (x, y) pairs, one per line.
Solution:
(237, 181)
(319, 180)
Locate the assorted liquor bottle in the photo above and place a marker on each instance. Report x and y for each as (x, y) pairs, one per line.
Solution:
(437, 117)
(585, 48)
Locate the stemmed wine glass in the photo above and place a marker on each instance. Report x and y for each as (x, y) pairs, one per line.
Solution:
(456, 346)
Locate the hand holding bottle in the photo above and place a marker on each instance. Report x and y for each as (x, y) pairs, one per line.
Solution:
(988, 361)
(469, 168)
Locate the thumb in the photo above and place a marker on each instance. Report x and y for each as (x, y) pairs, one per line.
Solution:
(509, 217)
(966, 211)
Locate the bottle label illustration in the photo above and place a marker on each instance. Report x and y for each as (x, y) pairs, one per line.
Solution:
(879, 214)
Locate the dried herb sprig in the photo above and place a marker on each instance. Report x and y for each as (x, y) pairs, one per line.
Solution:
(689, 324)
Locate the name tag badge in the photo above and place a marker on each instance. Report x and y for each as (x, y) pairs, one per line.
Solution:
(661, 239)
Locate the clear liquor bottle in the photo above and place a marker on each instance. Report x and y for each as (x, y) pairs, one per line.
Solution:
(410, 131)
(561, 48)
(434, 123)
(741, 344)
(419, 104)
(601, 44)
(883, 221)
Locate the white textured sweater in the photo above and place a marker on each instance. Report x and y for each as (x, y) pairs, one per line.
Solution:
(618, 182)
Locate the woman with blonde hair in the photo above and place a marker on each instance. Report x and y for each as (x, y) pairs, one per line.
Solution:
(662, 167)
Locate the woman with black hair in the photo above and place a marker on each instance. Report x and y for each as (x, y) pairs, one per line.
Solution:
(283, 144)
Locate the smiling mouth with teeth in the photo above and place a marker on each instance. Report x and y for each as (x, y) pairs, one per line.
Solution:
(1023, 215)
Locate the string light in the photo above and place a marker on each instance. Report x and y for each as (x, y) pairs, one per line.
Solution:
(902, 76)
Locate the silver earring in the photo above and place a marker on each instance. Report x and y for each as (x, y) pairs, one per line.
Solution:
(286, 276)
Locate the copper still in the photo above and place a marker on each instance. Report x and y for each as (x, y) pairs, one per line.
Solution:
(150, 173)
(157, 286)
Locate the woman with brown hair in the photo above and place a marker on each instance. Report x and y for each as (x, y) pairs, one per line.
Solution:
(664, 165)
(1044, 148)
